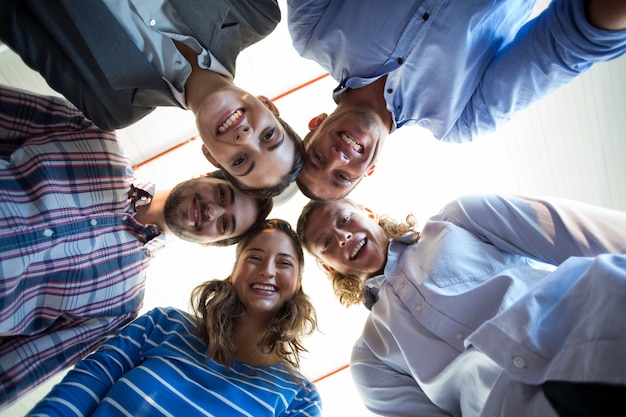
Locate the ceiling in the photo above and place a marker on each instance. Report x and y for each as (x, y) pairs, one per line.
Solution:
(572, 144)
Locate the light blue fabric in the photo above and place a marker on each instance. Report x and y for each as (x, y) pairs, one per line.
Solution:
(499, 295)
(157, 366)
(458, 68)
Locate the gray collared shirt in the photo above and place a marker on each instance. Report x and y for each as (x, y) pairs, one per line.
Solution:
(152, 25)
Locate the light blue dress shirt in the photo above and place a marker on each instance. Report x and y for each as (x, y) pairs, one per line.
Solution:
(457, 68)
(499, 295)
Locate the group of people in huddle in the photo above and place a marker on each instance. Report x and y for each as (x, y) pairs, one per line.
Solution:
(497, 305)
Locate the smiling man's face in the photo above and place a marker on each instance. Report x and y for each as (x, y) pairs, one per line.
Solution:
(207, 210)
(341, 151)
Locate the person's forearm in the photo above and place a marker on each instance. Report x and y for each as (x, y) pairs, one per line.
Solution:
(606, 14)
(549, 230)
(24, 114)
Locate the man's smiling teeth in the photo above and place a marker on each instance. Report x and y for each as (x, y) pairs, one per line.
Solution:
(356, 250)
(351, 142)
(264, 287)
(229, 122)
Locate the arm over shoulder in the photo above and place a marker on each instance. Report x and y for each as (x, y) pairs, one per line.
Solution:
(550, 230)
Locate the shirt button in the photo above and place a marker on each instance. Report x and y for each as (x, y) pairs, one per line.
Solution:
(48, 232)
(399, 60)
(519, 362)
(418, 308)
(425, 16)
(124, 218)
(178, 63)
(390, 90)
(143, 198)
(152, 22)
(459, 336)
(93, 222)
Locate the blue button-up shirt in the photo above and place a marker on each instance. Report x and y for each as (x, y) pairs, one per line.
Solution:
(499, 295)
(457, 68)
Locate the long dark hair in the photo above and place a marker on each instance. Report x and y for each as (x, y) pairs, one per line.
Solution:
(218, 309)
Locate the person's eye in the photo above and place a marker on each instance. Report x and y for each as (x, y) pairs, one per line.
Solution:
(268, 135)
(253, 257)
(222, 196)
(286, 263)
(342, 177)
(325, 244)
(224, 226)
(344, 219)
(239, 160)
(317, 157)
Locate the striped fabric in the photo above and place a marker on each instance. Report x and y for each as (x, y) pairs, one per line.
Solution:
(72, 257)
(157, 367)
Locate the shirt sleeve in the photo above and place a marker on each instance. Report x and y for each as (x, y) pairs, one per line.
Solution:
(547, 53)
(307, 404)
(548, 230)
(24, 115)
(303, 17)
(387, 392)
(27, 361)
(85, 386)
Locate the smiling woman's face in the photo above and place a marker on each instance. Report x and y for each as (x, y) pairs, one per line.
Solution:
(267, 272)
(243, 136)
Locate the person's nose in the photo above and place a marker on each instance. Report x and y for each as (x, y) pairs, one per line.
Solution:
(343, 237)
(213, 211)
(337, 158)
(267, 269)
(242, 134)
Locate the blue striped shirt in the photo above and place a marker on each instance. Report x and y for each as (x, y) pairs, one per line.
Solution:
(72, 257)
(157, 367)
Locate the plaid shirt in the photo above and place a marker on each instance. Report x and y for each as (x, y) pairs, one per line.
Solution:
(72, 256)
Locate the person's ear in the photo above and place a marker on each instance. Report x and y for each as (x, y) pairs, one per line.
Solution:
(268, 103)
(370, 170)
(209, 156)
(317, 121)
(369, 213)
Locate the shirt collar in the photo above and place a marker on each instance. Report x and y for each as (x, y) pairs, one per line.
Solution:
(374, 284)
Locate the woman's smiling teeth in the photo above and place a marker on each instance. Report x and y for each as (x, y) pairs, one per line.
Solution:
(229, 122)
(351, 142)
(264, 287)
(357, 249)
